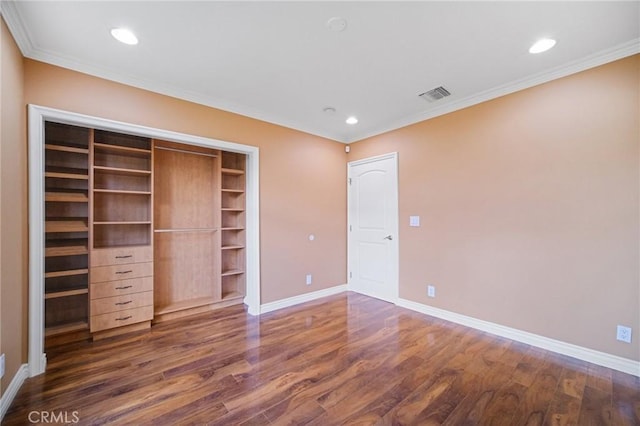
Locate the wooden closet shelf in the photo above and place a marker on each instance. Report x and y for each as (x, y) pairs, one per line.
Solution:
(120, 191)
(66, 328)
(148, 222)
(232, 272)
(119, 245)
(232, 172)
(66, 250)
(186, 151)
(63, 175)
(232, 228)
(68, 273)
(232, 295)
(232, 247)
(122, 149)
(82, 173)
(231, 209)
(71, 225)
(237, 191)
(66, 293)
(187, 230)
(65, 148)
(187, 304)
(70, 197)
(120, 171)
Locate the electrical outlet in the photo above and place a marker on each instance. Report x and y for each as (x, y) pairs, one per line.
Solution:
(431, 291)
(309, 279)
(623, 334)
(1, 366)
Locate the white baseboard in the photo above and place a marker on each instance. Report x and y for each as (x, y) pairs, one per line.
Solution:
(595, 357)
(307, 297)
(7, 397)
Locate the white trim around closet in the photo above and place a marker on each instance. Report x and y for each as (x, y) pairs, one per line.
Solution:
(37, 116)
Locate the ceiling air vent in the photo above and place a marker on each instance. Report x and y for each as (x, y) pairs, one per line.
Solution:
(435, 94)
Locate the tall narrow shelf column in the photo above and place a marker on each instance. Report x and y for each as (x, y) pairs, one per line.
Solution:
(122, 247)
(232, 194)
(187, 237)
(66, 202)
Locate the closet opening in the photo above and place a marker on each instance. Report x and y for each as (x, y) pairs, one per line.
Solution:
(131, 225)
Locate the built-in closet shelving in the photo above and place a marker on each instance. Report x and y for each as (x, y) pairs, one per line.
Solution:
(122, 251)
(233, 225)
(138, 230)
(121, 190)
(66, 251)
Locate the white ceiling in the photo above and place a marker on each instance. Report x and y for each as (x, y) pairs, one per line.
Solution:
(279, 62)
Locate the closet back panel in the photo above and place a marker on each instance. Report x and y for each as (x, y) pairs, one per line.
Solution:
(185, 267)
(115, 207)
(185, 190)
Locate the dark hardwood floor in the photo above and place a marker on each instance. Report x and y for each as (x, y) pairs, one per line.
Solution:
(346, 359)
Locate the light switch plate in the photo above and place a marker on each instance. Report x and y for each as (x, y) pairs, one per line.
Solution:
(414, 220)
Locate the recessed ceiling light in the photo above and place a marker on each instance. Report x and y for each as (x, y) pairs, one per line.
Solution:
(124, 35)
(352, 120)
(542, 45)
(329, 110)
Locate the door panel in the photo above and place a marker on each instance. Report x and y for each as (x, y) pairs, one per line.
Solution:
(373, 225)
(370, 203)
(371, 260)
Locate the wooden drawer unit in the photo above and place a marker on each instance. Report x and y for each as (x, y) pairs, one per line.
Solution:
(122, 255)
(121, 287)
(121, 318)
(121, 272)
(118, 288)
(106, 305)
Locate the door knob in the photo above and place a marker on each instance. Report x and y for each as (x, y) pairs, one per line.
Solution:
(388, 237)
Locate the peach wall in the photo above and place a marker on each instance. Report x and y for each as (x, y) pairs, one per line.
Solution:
(302, 177)
(529, 208)
(13, 207)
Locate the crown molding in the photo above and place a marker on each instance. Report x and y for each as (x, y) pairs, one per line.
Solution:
(600, 58)
(16, 26)
(172, 91)
(29, 50)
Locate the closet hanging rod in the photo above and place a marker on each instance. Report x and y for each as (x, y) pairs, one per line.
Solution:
(184, 151)
(187, 230)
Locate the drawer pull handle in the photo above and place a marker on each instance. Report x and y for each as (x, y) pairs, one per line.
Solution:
(123, 318)
(123, 303)
(124, 288)
(124, 257)
(124, 272)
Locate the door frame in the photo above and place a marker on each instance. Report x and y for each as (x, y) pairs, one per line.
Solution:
(395, 231)
(36, 119)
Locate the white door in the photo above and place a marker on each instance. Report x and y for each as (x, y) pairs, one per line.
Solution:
(373, 226)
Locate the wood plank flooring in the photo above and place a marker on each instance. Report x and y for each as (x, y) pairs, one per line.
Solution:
(345, 359)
